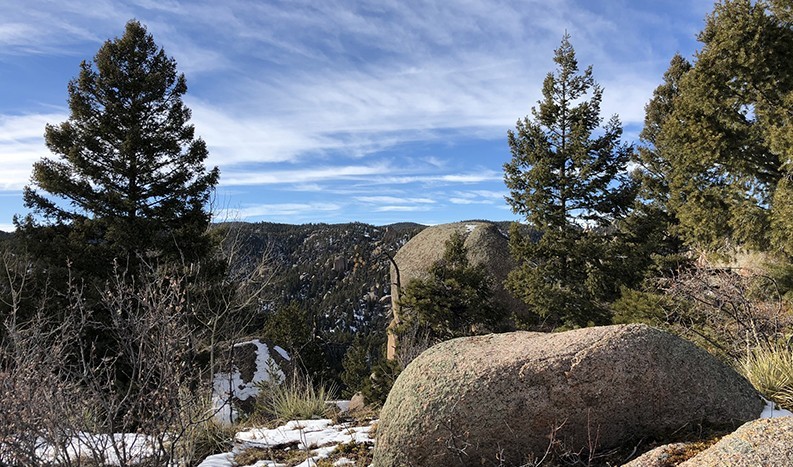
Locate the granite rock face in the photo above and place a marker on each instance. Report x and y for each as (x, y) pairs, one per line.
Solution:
(765, 442)
(499, 398)
(486, 245)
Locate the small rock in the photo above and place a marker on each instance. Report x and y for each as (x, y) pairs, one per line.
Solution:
(357, 403)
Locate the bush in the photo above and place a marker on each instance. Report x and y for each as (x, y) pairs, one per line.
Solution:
(208, 438)
(375, 389)
(770, 370)
(295, 399)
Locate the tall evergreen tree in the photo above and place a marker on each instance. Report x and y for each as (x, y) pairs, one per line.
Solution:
(129, 178)
(651, 157)
(648, 233)
(567, 178)
(728, 137)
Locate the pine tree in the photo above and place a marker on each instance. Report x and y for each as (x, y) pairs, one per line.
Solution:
(648, 233)
(129, 177)
(651, 157)
(728, 138)
(567, 178)
(455, 300)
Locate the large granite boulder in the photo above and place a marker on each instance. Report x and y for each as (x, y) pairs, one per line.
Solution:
(500, 398)
(486, 245)
(764, 442)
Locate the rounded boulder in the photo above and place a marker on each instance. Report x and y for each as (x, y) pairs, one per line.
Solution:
(503, 399)
(485, 243)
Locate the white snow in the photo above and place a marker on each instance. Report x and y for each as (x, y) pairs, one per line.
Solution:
(319, 436)
(283, 353)
(135, 448)
(770, 411)
(344, 406)
(219, 460)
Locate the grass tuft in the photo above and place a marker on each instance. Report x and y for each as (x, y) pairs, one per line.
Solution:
(770, 370)
(295, 399)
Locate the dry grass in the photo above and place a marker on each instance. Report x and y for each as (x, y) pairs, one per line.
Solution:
(251, 456)
(358, 453)
(295, 399)
(770, 370)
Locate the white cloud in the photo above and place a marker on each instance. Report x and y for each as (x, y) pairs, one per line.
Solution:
(403, 208)
(478, 197)
(305, 94)
(22, 144)
(462, 201)
(354, 77)
(394, 200)
(437, 179)
(299, 176)
(276, 209)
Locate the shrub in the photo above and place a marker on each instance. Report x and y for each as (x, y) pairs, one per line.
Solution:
(770, 370)
(295, 399)
(208, 438)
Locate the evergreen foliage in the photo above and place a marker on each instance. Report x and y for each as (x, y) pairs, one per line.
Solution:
(294, 329)
(652, 156)
(567, 178)
(648, 232)
(726, 141)
(331, 286)
(455, 300)
(129, 176)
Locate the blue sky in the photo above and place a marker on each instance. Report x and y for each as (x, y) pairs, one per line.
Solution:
(332, 111)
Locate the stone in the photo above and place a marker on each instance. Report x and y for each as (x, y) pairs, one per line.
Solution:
(662, 456)
(357, 403)
(501, 397)
(485, 243)
(765, 442)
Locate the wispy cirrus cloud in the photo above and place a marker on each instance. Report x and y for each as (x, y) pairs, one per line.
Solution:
(394, 199)
(300, 176)
(276, 209)
(331, 103)
(402, 208)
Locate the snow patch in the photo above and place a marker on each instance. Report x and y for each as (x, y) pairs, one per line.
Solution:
(136, 448)
(219, 460)
(282, 353)
(770, 411)
(319, 436)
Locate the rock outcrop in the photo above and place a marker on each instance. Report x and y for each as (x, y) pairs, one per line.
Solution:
(502, 397)
(253, 362)
(485, 243)
(764, 442)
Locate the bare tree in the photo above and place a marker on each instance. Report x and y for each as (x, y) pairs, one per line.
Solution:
(66, 403)
(725, 309)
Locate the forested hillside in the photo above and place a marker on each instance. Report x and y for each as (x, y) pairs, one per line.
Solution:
(331, 283)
